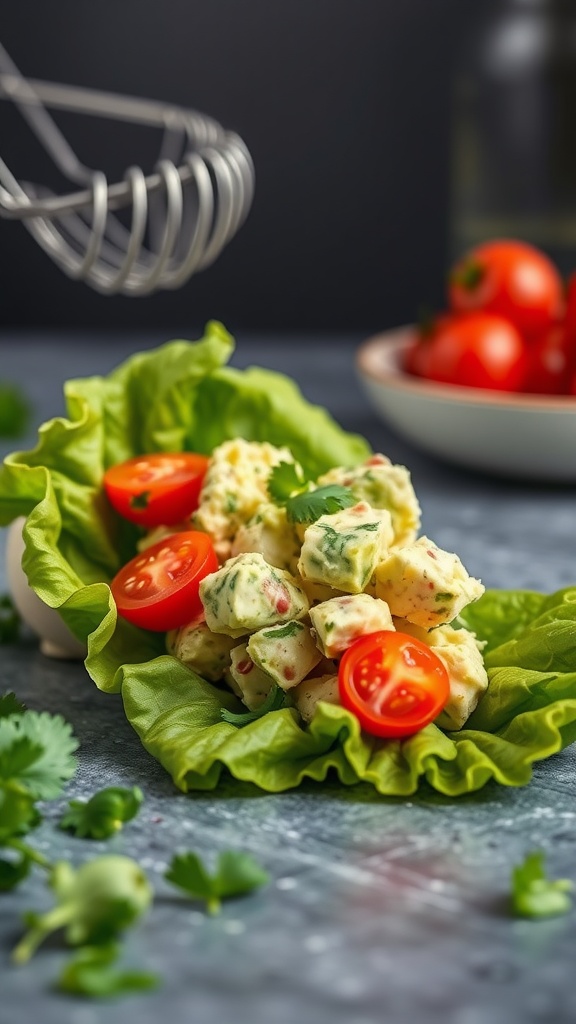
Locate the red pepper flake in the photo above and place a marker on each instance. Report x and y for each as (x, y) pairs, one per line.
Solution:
(289, 672)
(432, 555)
(430, 586)
(244, 667)
(377, 460)
(277, 594)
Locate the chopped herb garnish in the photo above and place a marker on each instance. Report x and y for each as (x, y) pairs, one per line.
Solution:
(275, 701)
(104, 813)
(285, 479)
(443, 597)
(534, 895)
(308, 506)
(287, 487)
(236, 874)
(288, 629)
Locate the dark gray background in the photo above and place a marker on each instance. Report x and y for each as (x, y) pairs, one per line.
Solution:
(345, 107)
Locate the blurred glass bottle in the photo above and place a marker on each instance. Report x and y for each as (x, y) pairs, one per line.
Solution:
(514, 128)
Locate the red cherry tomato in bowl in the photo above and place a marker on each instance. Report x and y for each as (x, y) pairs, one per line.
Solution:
(477, 350)
(156, 490)
(159, 588)
(393, 683)
(510, 279)
(549, 362)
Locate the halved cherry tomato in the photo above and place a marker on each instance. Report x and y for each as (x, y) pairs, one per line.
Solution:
(477, 350)
(510, 279)
(159, 588)
(156, 490)
(394, 684)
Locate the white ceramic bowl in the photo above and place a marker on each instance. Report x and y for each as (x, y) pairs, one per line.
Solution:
(514, 435)
(56, 640)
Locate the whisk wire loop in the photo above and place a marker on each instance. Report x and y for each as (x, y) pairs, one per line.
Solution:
(182, 214)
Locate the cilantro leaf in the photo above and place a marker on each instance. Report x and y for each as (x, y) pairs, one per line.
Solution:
(274, 702)
(534, 895)
(104, 813)
(10, 705)
(17, 811)
(12, 872)
(93, 904)
(308, 506)
(36, 750)
(14, 410)
(285, 478)
(236, 874)
(9, 620)
(91, 973)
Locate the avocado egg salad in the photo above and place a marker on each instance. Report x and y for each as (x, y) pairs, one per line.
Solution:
(253, 580)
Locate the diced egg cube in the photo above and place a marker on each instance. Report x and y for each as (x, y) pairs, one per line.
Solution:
(286, 652)
(246, 594)
(342, 550)
(425, 584)
(337, 623)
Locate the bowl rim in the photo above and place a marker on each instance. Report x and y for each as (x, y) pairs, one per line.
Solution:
(393, 342)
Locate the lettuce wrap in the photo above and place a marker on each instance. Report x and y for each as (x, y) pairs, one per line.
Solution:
(182, 396)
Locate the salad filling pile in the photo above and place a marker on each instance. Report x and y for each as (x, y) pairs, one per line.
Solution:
(298, 586)
(312, 582)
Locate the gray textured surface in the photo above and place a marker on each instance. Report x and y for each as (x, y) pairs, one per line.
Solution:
(377, 909)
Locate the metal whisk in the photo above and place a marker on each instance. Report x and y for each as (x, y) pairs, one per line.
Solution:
(182, 214)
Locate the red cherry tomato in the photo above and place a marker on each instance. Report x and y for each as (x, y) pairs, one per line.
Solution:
(570, 317)
(548, 363)
(417, 352)
(394, 684)
(477, 350)
(159, 588)
(156, 490)
(510, 279)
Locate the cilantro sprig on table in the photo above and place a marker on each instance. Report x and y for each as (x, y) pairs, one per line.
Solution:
(303, 503)
(96, 902)
(535, 895)
(104, 813)
(235, 875)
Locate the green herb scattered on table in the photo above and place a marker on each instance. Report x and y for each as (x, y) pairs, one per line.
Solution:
(535, 895)
(104, 813)
(92, 972)
(236, 874)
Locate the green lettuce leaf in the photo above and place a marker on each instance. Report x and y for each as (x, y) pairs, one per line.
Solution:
(525, 715)
(166, 399)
